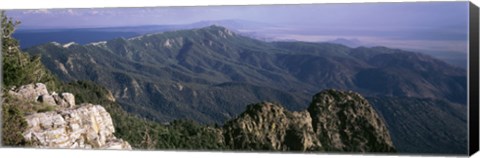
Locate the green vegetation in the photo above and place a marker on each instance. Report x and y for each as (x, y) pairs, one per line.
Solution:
(18, 67)
(431, 135)
(44, 108)
(145, 134)
(13, 124)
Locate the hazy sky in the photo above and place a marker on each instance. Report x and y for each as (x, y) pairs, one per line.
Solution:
(419, 25)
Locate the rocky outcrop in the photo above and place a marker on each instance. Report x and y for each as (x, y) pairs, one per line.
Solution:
(345, 121)
(39, 93)
(268, 126)
(29, 92)
(335, 121)
(69, 125)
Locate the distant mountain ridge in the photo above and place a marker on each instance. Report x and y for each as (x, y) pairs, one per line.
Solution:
(210, 74)
(33, 37)
(258, 30)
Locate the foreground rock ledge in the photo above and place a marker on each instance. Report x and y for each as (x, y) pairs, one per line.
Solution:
(84, 126)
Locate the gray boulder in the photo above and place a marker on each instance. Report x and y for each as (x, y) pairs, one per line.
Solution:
(69, 99)
(30, 92)
(48, 99)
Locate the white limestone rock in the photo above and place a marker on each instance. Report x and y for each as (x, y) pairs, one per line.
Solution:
(85, 126)
(48, 99)
(30, 92)
(89, 126)
(69, 99)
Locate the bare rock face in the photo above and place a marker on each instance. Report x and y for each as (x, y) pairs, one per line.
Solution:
(70, 126)
(335, 121)
(30, 92)
(268, 126)
(110, 96)
(300, 134)
(47, 98)
(66, 100)
(88, 126)
(345, 121)
(38, 92)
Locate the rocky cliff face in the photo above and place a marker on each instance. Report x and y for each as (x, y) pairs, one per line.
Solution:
(345, 121)
(268, 126)
(335, 121)
(67, 125)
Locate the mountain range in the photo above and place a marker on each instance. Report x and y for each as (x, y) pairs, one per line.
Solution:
(210, 74)
(29, 37)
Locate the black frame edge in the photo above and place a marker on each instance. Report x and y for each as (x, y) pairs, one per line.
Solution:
(473, 79)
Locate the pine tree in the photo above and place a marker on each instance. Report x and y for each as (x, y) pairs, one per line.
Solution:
(18, 68)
